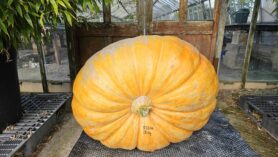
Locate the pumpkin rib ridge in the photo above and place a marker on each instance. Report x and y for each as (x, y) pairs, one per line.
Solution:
(136, 71)
(113, 120)
(135, 133)
(111, 78)
(140, 74)
(185, 112)
(155, 69)
(205, 88)
(201, 59)
(85, 106)
(183, 82)
(103, 124)
(128, 88)
(123, 134)
(138, 131)
(157, 107)
(144, 42)
(169, 122)
(211, 106)
(163, 132)
(101, 93)
(153, 145)
(206, 121)
(77, 111)
(159, 130)
(97, 106)
(134, 61)
(118, 126)
(191, 56)
(108, 76)
(189, 130)
(96, 84)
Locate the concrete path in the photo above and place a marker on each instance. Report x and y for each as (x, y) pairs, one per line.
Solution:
(62, 140)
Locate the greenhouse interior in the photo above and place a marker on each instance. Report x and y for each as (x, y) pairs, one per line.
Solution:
(89, 78)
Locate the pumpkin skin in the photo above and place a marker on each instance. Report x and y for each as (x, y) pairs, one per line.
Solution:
(144, 92)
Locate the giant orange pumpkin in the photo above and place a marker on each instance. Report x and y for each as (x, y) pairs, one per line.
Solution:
(144, 92)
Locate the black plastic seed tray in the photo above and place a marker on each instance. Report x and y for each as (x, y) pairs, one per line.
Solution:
(263, 110)
(38, 113)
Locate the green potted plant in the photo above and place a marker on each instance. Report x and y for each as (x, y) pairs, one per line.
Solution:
(22, 21)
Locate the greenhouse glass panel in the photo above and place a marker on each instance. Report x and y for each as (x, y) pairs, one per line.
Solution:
(264, 59)
(166, 10)
(28, 62)
(232, 55)
(123, 11)
(200, 10)
(56, 56)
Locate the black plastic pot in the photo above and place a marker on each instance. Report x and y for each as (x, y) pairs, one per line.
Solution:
(10, 107)
(242, 15)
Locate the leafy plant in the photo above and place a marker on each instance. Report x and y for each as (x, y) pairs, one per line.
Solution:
(22, 20)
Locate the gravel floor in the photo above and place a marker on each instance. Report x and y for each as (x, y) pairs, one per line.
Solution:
(257, 138)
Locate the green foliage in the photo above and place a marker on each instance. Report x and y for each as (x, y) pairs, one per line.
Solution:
(22, 20)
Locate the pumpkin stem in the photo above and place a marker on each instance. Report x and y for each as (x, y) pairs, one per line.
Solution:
(141, 105)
